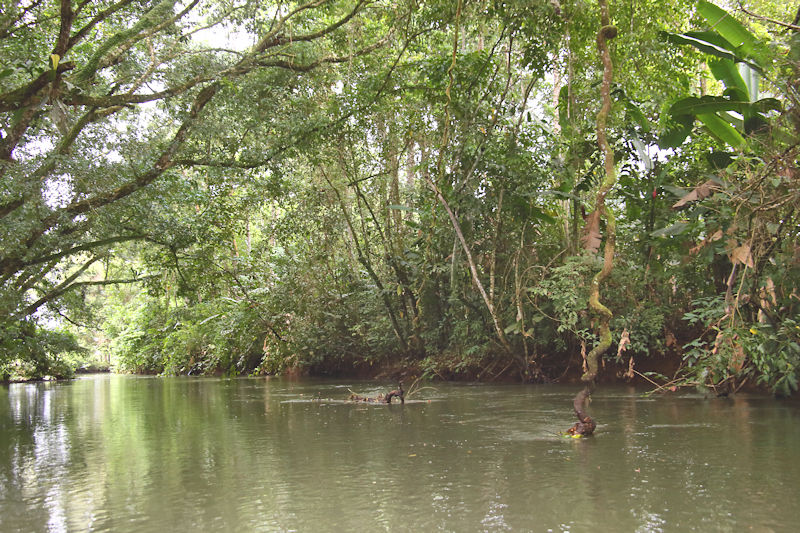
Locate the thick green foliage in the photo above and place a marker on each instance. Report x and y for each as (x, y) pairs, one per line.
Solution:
(30, 351)
(274, 208)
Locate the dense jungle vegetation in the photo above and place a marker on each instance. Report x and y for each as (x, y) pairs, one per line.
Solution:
(341, 186)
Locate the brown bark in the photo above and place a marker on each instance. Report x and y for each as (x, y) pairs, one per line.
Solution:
(586, 424)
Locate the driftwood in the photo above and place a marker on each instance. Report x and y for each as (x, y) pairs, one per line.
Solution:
(585, 425)
(381, 398)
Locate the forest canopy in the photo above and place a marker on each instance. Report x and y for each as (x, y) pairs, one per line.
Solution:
(246, 187)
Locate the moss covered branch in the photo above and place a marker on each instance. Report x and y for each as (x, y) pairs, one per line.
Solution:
(607, 32)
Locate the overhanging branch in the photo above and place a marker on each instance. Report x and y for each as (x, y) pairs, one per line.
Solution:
(82, 248)
(59, 290)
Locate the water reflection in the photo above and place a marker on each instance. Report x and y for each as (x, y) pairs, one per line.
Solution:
(116, 453)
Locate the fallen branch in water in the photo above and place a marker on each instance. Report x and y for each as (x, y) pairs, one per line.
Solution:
(415, 388)
(380, 398)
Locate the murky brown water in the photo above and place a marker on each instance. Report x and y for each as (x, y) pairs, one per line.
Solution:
(116, 453)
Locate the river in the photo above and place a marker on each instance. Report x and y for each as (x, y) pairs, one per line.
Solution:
(130, 454)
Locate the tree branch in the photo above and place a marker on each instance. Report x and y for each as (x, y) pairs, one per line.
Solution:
(244, 165)
(325, 31)
(112, 59)
(66, 25)
(8, 28)
(792, 26)
(103, 15)
(269, 40)
(59, 290)
(82, 248)
(104, 282)
(153, 17)
(474, 271)
(24, 96)
(290, 65)
(10, 263)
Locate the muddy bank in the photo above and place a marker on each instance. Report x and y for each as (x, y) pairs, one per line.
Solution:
(491, 370)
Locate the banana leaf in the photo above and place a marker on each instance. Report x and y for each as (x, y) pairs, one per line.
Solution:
(729, 28)
(709, 43)
(722, 130)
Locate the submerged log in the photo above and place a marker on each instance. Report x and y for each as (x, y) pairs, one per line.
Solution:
(381, 398)
(399, 393)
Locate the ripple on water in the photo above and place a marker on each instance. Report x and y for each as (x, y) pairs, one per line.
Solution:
(122, 454)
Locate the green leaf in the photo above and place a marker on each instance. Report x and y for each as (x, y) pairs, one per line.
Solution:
(404, 208)
(677, 133)
(722, 130)
(701, 44)
(767, 104)
(641, 150)
(751, 78)
(710, 37)
(675, 229)
(538, 214)
(714, 113)
(729, 28)
(727, 72)
(734, 120)
(635, 114)
(707, 104)
(794, 47)
(708, 43)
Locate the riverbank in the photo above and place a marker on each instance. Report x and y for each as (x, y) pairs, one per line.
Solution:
(658, 372)
(647, 371)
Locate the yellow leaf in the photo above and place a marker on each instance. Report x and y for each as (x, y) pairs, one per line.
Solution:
(742, 255)
(55, 58)
(698, 193)
(591, 233)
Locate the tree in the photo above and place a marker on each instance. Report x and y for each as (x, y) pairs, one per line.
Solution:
(102, 100)
(402, 186)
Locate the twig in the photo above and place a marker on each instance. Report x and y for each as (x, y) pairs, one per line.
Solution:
(502, 371)
(767, 19)
(647, 378)
(658, 387)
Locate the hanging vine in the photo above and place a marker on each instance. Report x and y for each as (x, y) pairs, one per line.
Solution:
(586, 424)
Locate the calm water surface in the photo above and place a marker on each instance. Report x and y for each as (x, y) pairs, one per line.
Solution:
(116, 453)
